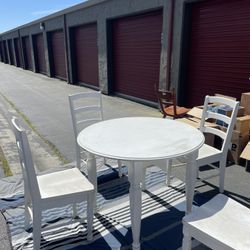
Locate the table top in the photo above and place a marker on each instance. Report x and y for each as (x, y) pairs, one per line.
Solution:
(140, 138)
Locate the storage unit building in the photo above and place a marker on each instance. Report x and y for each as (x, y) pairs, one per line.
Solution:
(129, 48)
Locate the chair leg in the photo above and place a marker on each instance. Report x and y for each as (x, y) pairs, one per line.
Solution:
(27, 220)
(37, 217)
(78, 157)
(186, 242)
(222, 169)
(169, 171)
(27, 204)
(143, 178)
(74, 207)
(104, 161)
(120, 168)
(90, 215)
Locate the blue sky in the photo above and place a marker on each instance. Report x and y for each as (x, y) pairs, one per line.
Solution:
(18, 12)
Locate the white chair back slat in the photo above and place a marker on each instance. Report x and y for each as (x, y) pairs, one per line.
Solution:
(87, 109)
(77, 96)
(222, 100)
(219, 117)
(215, 131)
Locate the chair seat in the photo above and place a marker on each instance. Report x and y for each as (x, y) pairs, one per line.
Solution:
(63, 182)
(179, 110)
(224, 221)
(207, 151)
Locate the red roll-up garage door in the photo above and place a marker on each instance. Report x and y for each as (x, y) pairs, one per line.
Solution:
(219, 52)
(39, 54)
(10, 49)
(86, 54)
(4, 47)
(1, 52)
(17, 50)
(136, 44)
(58, 54)
(27, 53)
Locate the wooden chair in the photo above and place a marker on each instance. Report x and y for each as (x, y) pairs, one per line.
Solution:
(168, 106)
(86, 109)
(208, 155)
(221, 223)
(51, 190)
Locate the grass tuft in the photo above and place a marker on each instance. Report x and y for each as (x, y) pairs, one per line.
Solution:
(4, 163)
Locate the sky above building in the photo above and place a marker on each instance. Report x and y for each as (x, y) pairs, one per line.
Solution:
(18, 12)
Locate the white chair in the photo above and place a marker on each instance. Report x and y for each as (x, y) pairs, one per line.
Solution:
(209, 154)
(86, 109)
(50, 190)
(221, 223)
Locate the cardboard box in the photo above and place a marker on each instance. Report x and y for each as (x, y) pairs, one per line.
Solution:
(195, 112)
(243, 124)
(245, 102)
(239, 142)
(246, 155)
(228, 111)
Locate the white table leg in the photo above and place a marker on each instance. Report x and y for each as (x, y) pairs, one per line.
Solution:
(91, 168)
(191, 170)
(135, 176)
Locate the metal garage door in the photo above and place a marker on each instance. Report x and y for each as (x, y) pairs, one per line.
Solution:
(10, 50)
(86, 54)
(136, 42)
(17, 50)
(219, 51)
(1, 52)
(27, 53)
(6, 60)
(58, 54)
(39, 54)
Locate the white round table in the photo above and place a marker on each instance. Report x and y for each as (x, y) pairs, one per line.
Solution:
(137, 140)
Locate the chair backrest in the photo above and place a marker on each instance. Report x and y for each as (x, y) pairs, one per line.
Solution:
(166, 99)
(86, 109)
(207, 113)
(26, 161)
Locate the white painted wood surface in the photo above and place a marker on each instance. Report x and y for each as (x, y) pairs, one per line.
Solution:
(221, 223)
